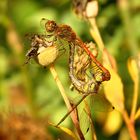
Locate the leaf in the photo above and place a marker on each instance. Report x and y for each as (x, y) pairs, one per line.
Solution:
(134, 72)
(124, 134)
(112, 123)
(69, 132)
(66, 130)
(114, 90)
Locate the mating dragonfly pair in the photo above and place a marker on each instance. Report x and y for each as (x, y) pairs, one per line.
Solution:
(85, 71)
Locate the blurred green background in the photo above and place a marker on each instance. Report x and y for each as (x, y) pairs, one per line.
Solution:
(30, 89)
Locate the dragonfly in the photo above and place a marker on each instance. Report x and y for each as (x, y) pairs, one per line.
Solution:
(81, 81)
(65, 33)
(47, 47)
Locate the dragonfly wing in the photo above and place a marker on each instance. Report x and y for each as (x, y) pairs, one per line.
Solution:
(84, 118)
(43, 22)
(99, 103)
(85, 122)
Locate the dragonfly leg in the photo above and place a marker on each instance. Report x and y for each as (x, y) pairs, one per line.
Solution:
(74, 107)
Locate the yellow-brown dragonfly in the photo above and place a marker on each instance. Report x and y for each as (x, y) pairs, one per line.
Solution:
(85, 84)
(80, 80)
(65, 32)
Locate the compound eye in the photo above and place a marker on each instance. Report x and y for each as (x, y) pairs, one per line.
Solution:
(50, 26)
(53, 25)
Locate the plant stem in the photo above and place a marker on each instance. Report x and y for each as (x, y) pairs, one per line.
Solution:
(137, 115)
(134, 48)
(66, 100)
(95, 34)
(130, 125)
(97, 37)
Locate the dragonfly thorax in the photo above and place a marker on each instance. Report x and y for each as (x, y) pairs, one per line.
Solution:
(65, 32)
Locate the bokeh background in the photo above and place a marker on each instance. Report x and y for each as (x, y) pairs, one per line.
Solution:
(29, 97)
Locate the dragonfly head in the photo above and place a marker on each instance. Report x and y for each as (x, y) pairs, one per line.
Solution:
(106, 76)
(50, 26)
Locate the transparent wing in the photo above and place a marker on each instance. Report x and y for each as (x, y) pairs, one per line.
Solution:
(43, 22)
(98, 102)
(87, 126)
(85, 122)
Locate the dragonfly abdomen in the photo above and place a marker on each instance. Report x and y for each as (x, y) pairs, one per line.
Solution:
(85, 87)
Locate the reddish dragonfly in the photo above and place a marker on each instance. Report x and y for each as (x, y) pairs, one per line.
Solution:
(65, 32)
(83, 84)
